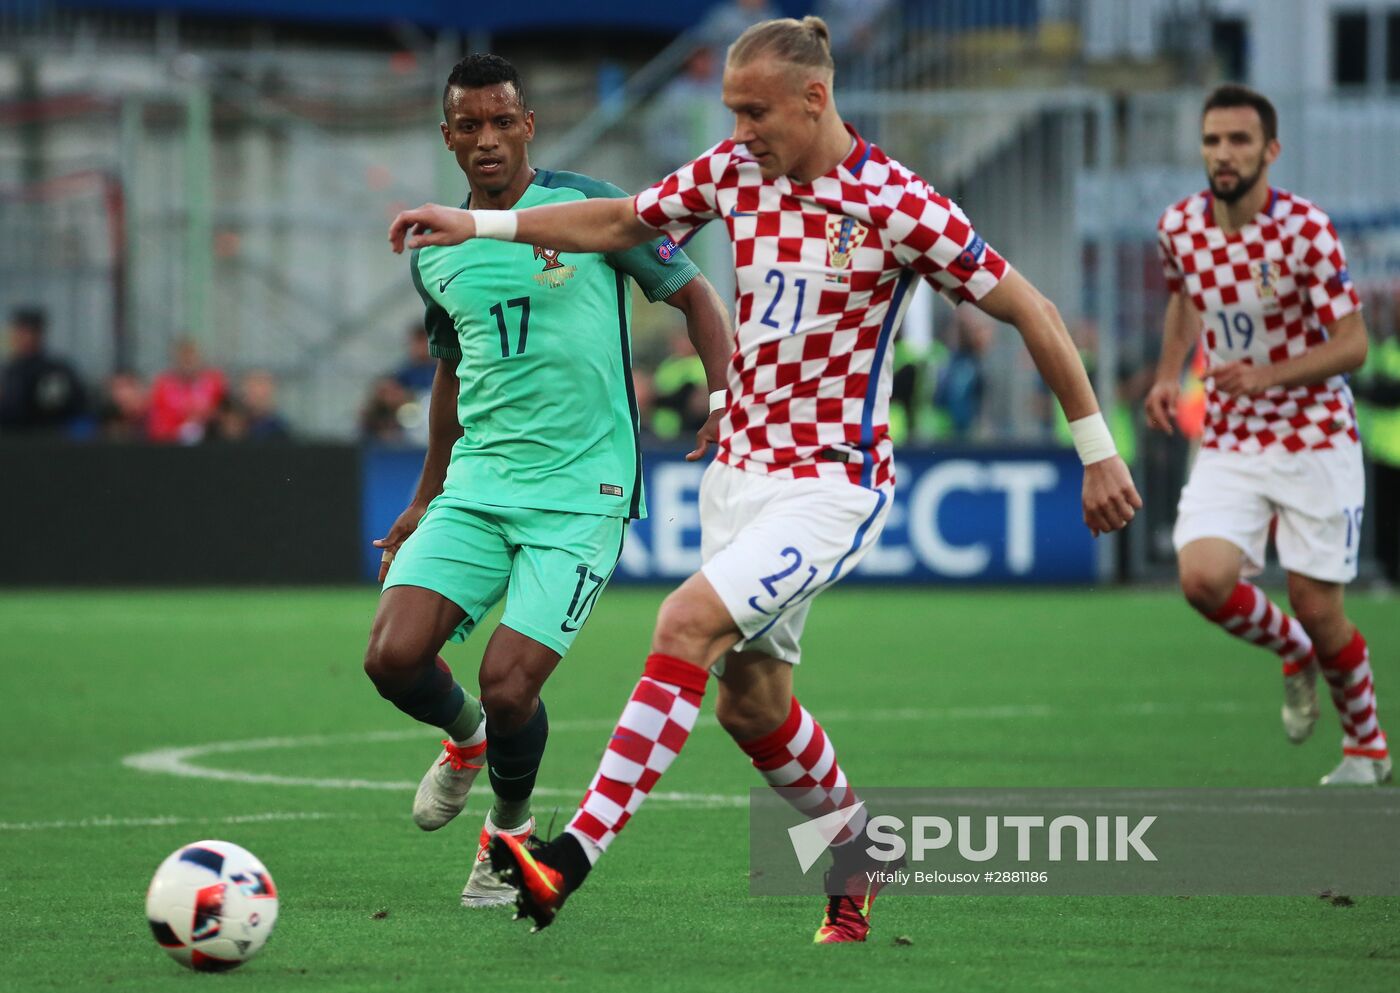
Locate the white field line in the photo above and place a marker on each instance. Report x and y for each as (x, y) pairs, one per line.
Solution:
(178, 761)
(181, 761)
(130, 822)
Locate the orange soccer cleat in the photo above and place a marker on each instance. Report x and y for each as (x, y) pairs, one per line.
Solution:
(536, 873)
(851, 890)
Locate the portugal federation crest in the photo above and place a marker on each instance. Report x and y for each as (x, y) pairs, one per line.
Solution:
(555, 273)
(550, 256)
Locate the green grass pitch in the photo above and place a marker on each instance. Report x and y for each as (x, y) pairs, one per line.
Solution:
(916, 687)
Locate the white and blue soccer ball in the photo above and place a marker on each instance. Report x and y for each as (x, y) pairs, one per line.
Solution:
(211, 905)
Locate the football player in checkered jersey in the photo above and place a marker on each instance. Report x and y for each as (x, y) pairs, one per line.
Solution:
(1262, 273)
(829, 234)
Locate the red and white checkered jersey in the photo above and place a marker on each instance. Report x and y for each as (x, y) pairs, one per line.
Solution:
(823, 272)
(1265, 294)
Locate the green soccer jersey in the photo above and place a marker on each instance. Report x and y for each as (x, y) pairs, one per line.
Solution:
(543, 354)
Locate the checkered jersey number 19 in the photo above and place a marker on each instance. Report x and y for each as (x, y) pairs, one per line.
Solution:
(1243, 326)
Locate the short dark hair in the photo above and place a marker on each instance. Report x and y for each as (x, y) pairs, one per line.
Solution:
(482, 69)
(1237, 95)
(32, 318)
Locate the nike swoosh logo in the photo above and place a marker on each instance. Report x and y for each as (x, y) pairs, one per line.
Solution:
(523, 775)
(443, 284)
(736, 212)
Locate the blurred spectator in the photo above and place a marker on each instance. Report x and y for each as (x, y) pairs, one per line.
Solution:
(125, 409)
(400, 413)
(727, 21)
(678, 122)
(1378, 390)
(682, 392)
(912, 417)
(961, 382)
(186, 397)
(251, 414)
(37, 392)
(230, 421)
(861, 30)
(379, 418)
(258, 394)
(644, 389)
(416, 375)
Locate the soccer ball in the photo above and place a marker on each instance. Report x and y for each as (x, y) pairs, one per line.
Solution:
(211, 905)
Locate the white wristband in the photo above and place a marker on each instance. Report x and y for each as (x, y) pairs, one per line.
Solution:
(497, 224)
(719, 399)
(1092, 439)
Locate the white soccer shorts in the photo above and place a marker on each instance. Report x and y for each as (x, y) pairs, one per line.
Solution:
(770, 545)
(1318, 497)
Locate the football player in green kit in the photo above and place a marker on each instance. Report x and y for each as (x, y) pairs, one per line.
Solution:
(533, 468)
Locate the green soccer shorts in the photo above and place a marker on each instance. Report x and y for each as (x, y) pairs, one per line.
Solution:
(550, 565)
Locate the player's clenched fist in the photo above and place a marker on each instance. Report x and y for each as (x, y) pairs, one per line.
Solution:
(1241, 378)
(430, 224)
(1110, 498)
(1161, 405)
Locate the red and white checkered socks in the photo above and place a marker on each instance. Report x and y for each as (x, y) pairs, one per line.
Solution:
(799, 756)
(653, 727)
(1251, 615)
(1348, 675)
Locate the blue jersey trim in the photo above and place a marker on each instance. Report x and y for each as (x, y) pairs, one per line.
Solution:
(880, 499)
(855, 170)
(764, 630)
(877, 365)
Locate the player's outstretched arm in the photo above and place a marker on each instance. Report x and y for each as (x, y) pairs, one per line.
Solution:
(707, 324)
(443, 431)
(1110, 498)
(1181, 329)
(593, 225)
(1343, 351)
